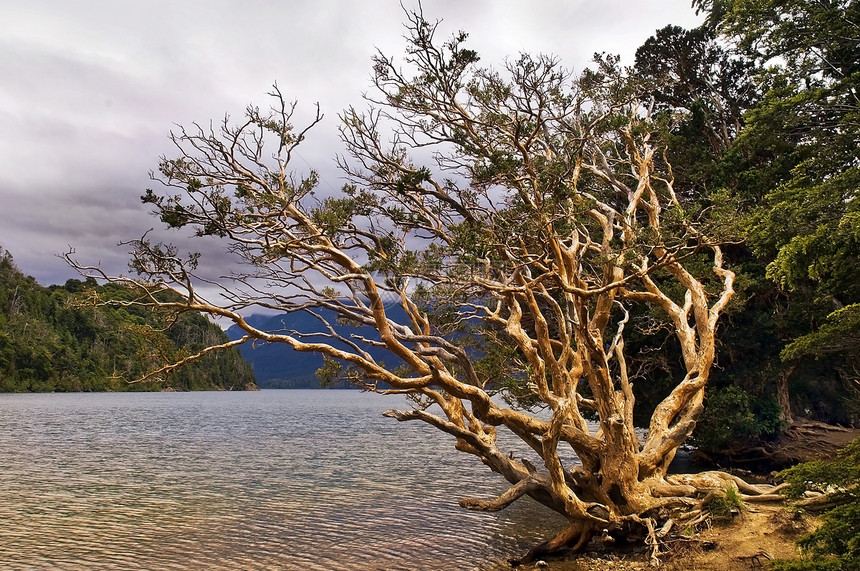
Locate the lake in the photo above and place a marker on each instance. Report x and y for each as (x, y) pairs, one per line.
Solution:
(244, 480)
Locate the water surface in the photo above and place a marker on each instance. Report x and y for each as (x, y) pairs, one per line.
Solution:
(246, 480)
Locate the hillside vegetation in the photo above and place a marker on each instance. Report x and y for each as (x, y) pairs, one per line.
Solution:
(51, 339)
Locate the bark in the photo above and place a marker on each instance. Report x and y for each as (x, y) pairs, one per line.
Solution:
(512, 494)
(783, 396)
(571, 539)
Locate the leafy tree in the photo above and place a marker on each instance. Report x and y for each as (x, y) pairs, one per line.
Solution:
(796, 165)
(703, 84)
(524, 208)
(700, 87)
(771, 351)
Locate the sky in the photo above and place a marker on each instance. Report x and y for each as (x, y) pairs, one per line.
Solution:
(90, 89)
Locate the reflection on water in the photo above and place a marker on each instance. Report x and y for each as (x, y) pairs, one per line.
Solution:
(263, 480)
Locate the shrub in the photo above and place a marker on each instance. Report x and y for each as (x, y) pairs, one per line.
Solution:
(835, 545)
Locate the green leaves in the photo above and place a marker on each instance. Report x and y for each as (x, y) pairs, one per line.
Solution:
(813, 226)
(792, 173)
(68, 338)
(839, 333)
(411, 179)
(732, 414)
(836, 543)
(335, 215)
(330, 373)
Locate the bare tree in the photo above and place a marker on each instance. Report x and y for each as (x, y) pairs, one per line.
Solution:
(524, 211)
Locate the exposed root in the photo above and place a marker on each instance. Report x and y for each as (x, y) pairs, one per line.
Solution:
(755, 560)
(697, 518)
(822, 501)
(706, 482)
(569, 540)
(676, 504)
(668, 490)
(667, 527)
(653, 542)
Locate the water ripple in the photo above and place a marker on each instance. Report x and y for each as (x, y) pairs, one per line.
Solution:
(311, 480)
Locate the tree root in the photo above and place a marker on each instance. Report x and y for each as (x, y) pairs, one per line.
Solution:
(676, 546)
(569, 540)
(763, 498)
(824, 500)
(706, 482)
(653, 542)
(678, 502)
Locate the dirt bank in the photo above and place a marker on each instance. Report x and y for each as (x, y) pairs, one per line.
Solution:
(759, 533)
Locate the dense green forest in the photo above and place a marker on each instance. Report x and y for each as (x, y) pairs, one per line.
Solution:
(759, 108)
(52, 339)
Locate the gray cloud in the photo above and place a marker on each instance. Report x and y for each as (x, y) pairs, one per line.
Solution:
(91, 88)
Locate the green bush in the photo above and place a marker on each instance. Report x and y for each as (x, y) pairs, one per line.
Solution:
(732, 414)
(835, 545)
(724, 507)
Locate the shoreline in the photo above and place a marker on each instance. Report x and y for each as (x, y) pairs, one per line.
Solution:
(761, 532)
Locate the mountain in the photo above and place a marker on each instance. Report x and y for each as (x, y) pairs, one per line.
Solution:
(278, 366)
(52, 339)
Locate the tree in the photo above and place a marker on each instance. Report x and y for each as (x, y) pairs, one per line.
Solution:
(513, 217)
(795, 166)
(809, 224)
(701, 87)
(705, 85)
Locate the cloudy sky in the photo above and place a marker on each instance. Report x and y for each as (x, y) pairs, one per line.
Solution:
(91, 88)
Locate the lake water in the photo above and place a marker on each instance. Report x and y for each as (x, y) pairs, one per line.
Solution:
(247, 480)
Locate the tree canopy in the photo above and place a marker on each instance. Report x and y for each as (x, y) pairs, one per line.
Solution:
(797, 161)
(789, 181)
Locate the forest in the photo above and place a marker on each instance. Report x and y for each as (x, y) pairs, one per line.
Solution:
(759, 108)
(54, 339)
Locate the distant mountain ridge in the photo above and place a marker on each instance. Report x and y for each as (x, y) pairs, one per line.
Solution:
(278, 366)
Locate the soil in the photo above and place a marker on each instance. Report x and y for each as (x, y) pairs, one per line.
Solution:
(807, 440)
(759, 533)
